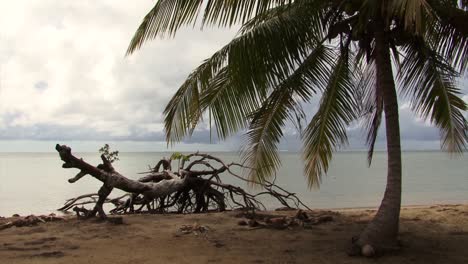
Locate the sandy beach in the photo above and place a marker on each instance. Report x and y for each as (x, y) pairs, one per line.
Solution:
(429, 234)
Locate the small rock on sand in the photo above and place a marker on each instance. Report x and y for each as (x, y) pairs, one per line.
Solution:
(253, 223)
(368, 251)
(242, 222)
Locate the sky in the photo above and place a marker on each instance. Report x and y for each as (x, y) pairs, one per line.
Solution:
(64, 77)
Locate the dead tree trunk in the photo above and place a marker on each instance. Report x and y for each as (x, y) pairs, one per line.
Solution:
(106, 173)
(187, 190)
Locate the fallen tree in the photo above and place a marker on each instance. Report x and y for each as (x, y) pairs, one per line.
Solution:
(194, 186)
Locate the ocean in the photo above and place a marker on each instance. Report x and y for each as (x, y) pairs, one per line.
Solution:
(35, 183)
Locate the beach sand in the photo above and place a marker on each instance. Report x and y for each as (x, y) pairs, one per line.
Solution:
(429, 234)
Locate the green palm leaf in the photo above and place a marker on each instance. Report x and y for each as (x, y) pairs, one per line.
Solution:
(415, 14)
(327, 130)
(168, 16)
(449, 33)
(372, 109)
(429, 81)
(265, 129)
(229, 106)
(238, 77)
(183, 110)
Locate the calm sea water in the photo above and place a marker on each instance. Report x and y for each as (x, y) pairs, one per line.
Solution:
(36, 183)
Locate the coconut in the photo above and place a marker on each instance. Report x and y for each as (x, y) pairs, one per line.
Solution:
(367, 250)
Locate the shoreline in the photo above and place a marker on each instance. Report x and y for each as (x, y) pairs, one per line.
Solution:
(435, 233)
(337, 209)
(410, 206)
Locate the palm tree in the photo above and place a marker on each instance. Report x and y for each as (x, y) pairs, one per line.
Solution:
(344, 50)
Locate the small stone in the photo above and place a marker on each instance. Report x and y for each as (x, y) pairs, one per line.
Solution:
(218, 244)
(242, 223)
(253, 223)
(15, 215)
(368, 251)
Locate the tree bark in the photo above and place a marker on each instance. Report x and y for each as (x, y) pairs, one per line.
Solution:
(112, 179)
(187, 190)
(382, 232)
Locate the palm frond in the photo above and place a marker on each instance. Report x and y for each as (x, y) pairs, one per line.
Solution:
(183, 111)
(372, 100)
(228, 13)
(449, 34)
(327, 130)
(308, 14)
(429, 81)
(265, 130)
(415, 14)
(229, 105)
(168, 16)
(239, 76)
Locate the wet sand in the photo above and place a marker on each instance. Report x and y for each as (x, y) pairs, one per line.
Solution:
(429, 234)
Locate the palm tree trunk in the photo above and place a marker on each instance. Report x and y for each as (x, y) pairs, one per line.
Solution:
(382, 231)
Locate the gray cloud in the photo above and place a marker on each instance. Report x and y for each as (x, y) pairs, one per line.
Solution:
(63, 75)
(41, 86)
(55, 132)
(71, 54)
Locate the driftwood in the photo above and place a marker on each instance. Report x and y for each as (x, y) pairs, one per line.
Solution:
(194, 186)
(30, 220)
(277, 221)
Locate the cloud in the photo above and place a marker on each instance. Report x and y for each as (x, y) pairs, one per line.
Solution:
(63, 74)
(63, 69)
(41, 86)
